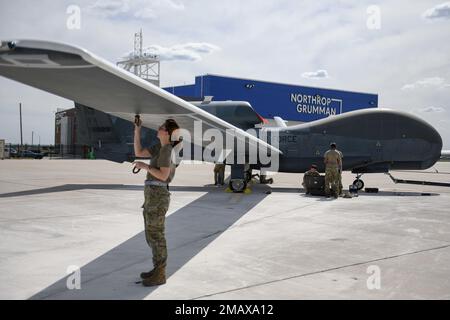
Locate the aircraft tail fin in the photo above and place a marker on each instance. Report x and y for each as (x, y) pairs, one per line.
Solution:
(109, 137)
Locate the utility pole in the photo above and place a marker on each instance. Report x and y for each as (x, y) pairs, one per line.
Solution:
(32, 136)
(21, 136)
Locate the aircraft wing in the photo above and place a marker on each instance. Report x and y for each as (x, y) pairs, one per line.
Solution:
(76, 74)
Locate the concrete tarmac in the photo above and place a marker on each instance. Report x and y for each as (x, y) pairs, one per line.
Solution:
(57, 216)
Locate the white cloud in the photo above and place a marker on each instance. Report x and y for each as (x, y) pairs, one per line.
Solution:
(146, 13)
(434, 82)
(432, 110)
(439, 11)
(319, 74)
(109, 8)
(176, 5)
(187, 52)
(141, 9)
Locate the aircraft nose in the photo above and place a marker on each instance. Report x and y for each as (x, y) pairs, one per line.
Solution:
(432, 136)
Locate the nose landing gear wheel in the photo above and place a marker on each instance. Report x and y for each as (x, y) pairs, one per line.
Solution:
(359, 184)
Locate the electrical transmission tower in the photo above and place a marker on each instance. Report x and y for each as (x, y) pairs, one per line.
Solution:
(142, 64)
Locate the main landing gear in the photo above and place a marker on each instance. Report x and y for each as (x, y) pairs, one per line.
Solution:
(237, 185)
(241, 175)
(238, 178)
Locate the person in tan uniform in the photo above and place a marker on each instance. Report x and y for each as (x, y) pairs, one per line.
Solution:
(160, 173)
(333, 162)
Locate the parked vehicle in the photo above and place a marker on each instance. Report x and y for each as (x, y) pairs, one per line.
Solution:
(31, 154)
(10, 152)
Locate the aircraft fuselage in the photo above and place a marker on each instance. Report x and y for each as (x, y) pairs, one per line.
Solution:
(374, 140)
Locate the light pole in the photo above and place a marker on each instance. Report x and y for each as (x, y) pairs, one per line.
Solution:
(21, 136)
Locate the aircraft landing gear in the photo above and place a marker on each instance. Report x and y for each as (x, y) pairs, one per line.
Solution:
(239, 178)
(237, 185)
(358, 183)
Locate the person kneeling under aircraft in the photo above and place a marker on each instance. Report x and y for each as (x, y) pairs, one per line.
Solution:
(312, 172)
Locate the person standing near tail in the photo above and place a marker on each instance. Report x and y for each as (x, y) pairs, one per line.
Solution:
(333, 162)
(160, 173)
(340, 187)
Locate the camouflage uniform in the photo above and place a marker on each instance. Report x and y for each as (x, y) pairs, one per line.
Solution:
(219, 173)
(332, 165)
(156, 204)
(309, 173)
(340, 188)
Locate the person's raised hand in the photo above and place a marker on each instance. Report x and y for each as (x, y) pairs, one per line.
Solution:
(137, 122)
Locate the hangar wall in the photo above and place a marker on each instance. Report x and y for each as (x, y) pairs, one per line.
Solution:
(269, 99)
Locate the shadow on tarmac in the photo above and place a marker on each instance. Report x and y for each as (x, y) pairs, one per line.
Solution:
(189, 230)
(81, 187)
(301, 191)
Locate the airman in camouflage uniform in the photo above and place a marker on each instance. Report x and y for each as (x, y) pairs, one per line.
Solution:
(160, 173)
(340, 188)
(219, 174)
(312, 172)
(333, 161)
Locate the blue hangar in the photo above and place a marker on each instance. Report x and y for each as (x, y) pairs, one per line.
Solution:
(293, 103)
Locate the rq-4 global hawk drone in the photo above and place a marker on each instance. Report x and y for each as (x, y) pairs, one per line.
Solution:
(372, 140)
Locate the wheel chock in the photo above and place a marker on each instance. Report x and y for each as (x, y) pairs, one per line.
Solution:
(247, 190)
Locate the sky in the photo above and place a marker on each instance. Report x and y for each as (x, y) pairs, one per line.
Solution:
(397, 49)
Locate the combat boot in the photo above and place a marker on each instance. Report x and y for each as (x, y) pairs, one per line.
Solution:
(334, 194)
(157, 278)
(145, 275)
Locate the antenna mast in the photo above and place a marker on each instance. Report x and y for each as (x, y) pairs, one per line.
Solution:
(142, 64)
